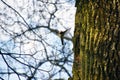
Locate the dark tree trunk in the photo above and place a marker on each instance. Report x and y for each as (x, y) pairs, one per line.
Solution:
(97, 40)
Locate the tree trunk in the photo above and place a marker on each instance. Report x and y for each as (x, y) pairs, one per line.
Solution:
(97, 40)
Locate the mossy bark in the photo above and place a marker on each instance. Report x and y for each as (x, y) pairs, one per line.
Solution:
(97, 40)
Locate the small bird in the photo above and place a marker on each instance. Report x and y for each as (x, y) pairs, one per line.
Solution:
(61, 34)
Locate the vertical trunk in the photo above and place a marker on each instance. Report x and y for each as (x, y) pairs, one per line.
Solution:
(97, 40)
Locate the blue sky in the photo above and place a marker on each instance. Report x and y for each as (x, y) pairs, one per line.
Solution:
(33, 13)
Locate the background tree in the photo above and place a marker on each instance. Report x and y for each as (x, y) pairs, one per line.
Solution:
(97, 40)
(30, 47)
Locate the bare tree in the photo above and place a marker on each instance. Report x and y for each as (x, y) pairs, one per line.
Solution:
(31, 46)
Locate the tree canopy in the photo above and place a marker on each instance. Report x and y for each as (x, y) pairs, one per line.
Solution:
(30, 43)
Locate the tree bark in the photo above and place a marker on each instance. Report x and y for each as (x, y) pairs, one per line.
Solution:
(97, 40)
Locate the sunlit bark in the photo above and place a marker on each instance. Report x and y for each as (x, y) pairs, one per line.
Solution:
(97, 40)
